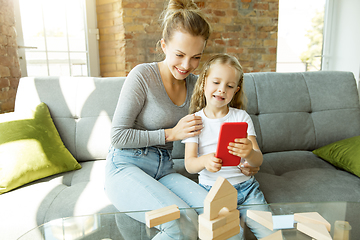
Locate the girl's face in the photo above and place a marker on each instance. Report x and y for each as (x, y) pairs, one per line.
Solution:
(221, 85)
(183, 53)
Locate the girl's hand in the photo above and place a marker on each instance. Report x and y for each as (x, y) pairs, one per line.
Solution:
(248, 149)
(188, 126)
(241, 147)
(212, 164)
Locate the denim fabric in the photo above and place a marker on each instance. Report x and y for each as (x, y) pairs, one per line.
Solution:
(144, 179)
(250, 193)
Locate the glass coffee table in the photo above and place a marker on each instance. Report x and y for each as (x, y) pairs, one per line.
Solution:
(119, 226)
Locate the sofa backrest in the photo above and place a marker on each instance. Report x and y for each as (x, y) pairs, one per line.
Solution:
(290, 111)
(81, 107)
(302, 111)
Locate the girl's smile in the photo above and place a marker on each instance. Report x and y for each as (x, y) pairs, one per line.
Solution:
(221, 85)
(219, 98)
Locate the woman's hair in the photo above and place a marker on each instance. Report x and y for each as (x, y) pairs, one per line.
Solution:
(184, 15)
(198, 100)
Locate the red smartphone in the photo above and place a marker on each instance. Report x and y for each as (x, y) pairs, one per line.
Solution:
(229, 131)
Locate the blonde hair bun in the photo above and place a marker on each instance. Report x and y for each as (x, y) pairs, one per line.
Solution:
(175, 5)
(185, 15)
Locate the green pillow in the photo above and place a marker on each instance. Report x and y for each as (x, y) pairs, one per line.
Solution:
(344, 154)
(31, 148)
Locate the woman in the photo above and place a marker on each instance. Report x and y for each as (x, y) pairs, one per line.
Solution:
(150, 115)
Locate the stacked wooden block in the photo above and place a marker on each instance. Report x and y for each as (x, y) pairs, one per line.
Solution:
(220, 219)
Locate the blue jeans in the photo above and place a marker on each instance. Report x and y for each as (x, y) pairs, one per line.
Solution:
(250, 193)
(144, 179)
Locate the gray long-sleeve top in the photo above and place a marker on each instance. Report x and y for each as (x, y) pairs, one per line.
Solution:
(144, 109)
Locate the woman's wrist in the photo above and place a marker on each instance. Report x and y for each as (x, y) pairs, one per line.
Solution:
(168, 135)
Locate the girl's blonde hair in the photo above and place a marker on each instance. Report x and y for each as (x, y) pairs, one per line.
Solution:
(184, 15)
(198, 100)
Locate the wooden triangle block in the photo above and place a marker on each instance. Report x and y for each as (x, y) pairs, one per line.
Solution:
(312, 217)
(317, 231)
(220, 189)
(275, 236)
(262, 217)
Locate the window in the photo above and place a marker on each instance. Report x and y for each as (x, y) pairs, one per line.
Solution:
(55, 37)
(300, 35)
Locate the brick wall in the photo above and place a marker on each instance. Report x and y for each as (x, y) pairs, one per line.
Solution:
(9, 62)
(246, 29)
(129, 31)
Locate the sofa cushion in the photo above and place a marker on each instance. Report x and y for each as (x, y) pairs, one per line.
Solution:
(31, 148)
(344, 154)
(301, 176)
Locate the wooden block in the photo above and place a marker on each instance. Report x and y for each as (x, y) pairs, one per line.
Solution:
(212, 209)
(342, 230)
(229, 234)
(220, 189)
(223, 218)
(226, 235)
(162, 215)
(262, 217)
(312, 217)
(317, 231)
(205, 233)
(275, 236)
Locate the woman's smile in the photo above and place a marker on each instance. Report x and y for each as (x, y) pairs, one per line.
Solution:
(181, 71)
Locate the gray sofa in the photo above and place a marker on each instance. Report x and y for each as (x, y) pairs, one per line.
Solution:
(293, 113)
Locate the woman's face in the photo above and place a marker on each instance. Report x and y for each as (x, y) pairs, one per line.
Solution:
(183, 53)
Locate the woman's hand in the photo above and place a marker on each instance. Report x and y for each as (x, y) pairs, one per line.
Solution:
(248, 170)
(188, 126)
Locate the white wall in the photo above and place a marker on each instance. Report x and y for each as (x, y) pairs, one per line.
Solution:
(342, 36)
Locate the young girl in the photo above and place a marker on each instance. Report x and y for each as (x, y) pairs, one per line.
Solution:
(219, 97)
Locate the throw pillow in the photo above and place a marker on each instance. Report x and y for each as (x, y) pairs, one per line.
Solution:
(31, 148)
(344, 154)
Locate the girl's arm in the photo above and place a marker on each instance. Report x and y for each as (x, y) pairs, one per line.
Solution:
(247, 148)
(195, 164)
